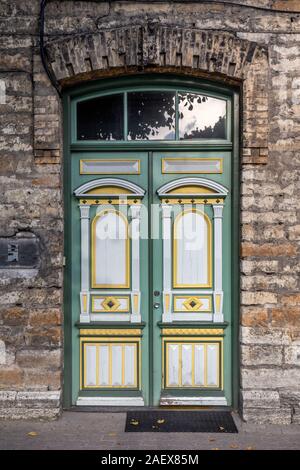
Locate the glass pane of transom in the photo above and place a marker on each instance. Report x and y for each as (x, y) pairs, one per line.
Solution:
(151, 116)
(101, 118)
(201, 117)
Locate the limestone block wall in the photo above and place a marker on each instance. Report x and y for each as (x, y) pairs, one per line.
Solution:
(233, 42)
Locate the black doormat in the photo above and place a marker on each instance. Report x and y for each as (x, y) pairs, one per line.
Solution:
(180, 421)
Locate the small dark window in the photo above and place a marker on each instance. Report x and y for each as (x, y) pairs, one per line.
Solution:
(151, 115)
(201, 117)
(101, 118)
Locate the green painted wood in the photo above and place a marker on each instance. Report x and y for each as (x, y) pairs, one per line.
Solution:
(235, 242)
(151, 178)
(225, 179)
(77, 180)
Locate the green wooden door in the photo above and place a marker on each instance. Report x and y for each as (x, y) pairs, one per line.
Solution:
(149, 237)
(192, 273)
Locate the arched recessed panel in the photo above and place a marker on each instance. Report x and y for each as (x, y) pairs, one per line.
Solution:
(110, 250)
(192, 190)
(193, 186)
(109, 187)
(109, 190)
(192, 250)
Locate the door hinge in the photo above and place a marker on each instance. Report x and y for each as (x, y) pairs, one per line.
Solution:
(64, 261)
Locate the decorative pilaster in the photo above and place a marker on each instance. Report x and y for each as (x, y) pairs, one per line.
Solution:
(167, 261)
(85, 263)
(218, 287)
(135, 263)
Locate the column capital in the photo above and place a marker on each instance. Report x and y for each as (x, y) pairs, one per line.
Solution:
(84, 211)
(135, 211)
(218, 211)
(166, 211)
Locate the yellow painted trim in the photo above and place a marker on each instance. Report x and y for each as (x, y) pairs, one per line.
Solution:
(192, 331)
(163, 162)
(93, 252)
(84, 302)
(135, 302)
(167, 302)
(194, 201)
(209, 297)
(218, 302)
(120, 201)
(110, 332)
(209, 245)
(106, 299)
(104, 160)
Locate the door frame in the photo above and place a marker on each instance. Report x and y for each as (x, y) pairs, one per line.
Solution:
(139, 81)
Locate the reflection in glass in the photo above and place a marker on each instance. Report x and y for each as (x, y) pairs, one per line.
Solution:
(101, 118)
(151, 115)
(201, 117)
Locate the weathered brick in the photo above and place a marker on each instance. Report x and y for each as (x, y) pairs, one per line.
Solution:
(261, 355)
(285, 316)
(265, 336)
(268, 416)
(258, 298)
(11, 378)
(260, 399)
(267, 378)
(265, 266)
(268, 249)
(294, 232)
(254, 316)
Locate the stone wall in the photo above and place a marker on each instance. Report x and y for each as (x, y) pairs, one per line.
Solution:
(31, 196)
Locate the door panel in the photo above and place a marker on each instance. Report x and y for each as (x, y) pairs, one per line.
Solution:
(109, 281)
(190, 327)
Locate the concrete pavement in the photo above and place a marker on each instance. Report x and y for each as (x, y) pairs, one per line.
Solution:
(105, 431)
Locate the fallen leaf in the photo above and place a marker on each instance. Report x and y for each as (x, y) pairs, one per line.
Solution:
(160, 421)
(111, 434)
(32, 434)
(250, 448)
(134, 422)
(215, 448)
(211, 439)
(234, 446)
(221, 428)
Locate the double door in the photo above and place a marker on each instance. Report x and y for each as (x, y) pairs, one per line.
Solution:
(150, 278)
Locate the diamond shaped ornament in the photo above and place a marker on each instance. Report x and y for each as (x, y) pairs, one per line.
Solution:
(111, 304)
(192, 303)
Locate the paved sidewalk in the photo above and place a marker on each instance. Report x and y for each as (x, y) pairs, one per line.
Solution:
(105, 431)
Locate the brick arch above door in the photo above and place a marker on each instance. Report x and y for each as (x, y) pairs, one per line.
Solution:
(138, 49)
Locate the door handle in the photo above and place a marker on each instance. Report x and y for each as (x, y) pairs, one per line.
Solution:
(156, 305)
